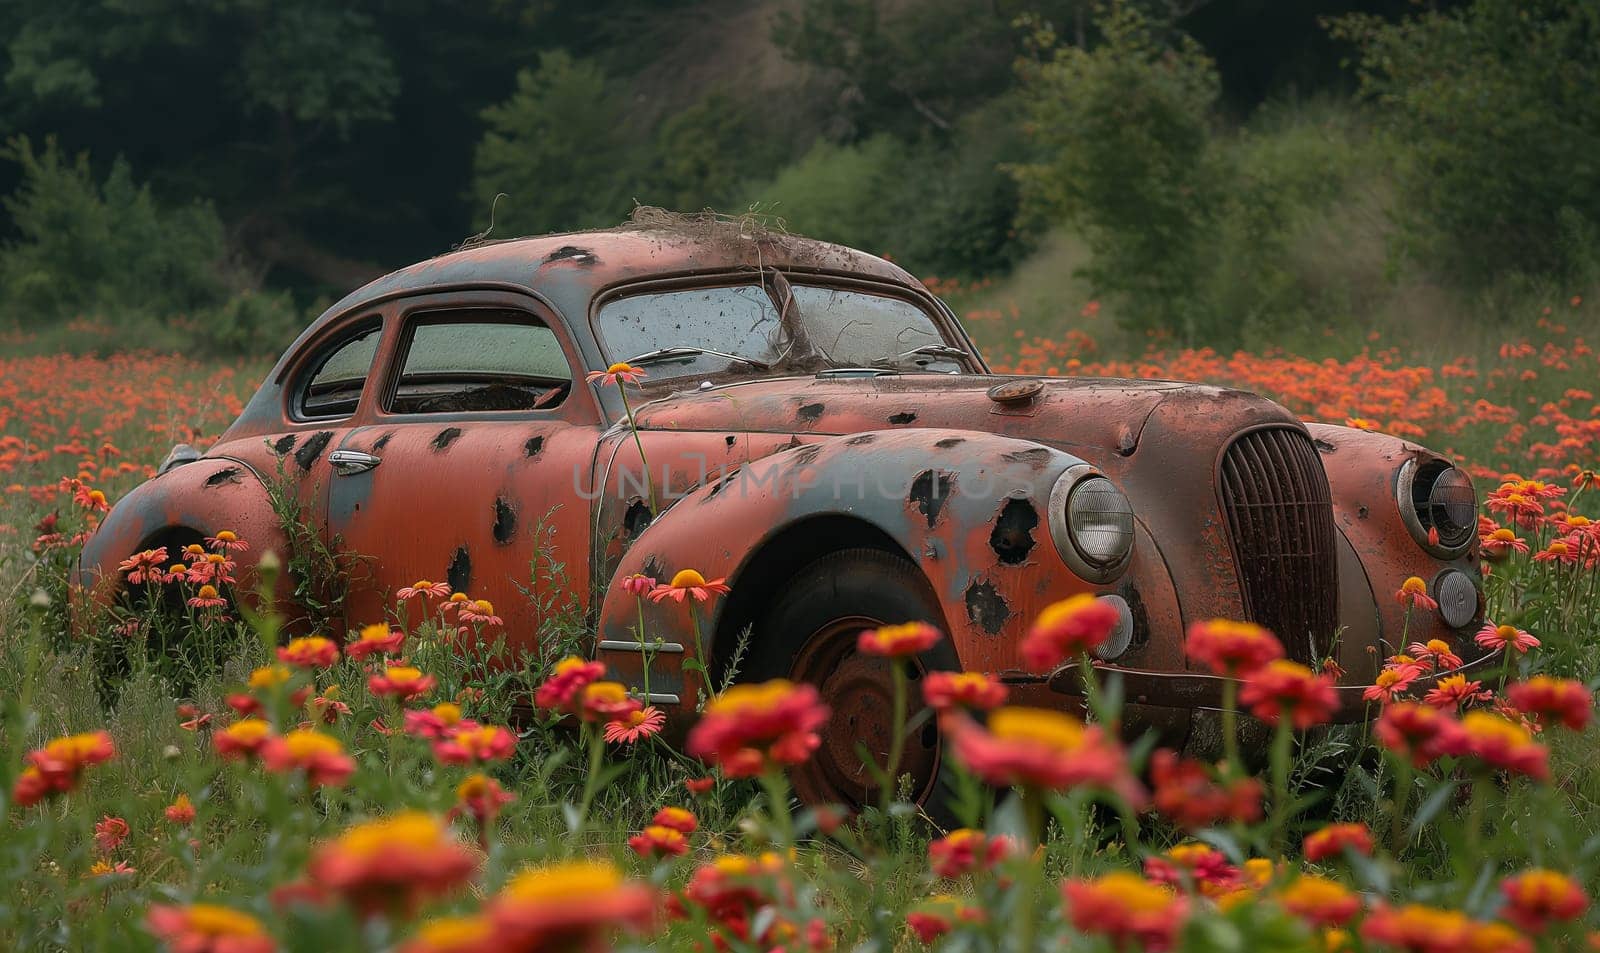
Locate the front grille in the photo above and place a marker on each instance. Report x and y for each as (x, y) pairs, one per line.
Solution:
(1280, 517)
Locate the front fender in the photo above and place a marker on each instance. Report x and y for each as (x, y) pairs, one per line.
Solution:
(1363, 472)
(208, 495)
(968, 508)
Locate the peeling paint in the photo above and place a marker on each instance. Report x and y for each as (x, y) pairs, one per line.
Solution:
(949, 442)
(1012, 536)
(534, 444)
(283, 444)
(810, 413)
(459, 575)
(904, 417)
(637, 518)
(929, 493)
(382, 441)
(225, 475)
(446, 437)
(312, 449)
(505, 521)
(986, 608)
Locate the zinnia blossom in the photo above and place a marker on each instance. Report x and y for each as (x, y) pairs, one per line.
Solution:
(109, 833)
(207, 928)
(659, 841)
(377, 638)
(207, 598)
(424, 588)
(1557, 699)
(751, 726)
(242, 739)
(606, 701)
(1334, 839)
(392, 864)
(479, 612)
(618, 373)
(479, 744)
(1534, 899)
(638, 584)
(320, 756)
(1319, 901)
(482, 797)
(1435, 652)
(966, 851)
(1038, 748)
(689, 584)
(401, 681)
(1390, 684)
(1417, 928)
(1501, 743)
(1416, 732)
(635, 726)
(145, 566)
(1129, 910)
(573, 905)
(567, 680)
(1193, 865)
(1413, 594)
(932, 918)
(1288, 688)
(474, 934)
(180, 811)
(58, 766)
(1186, 794)
(677, 818)
(898, 641)
(976, 691)
(227, 541)
(310, 652)
(1453, 691)
(1501, 637)
(436, 722)
(1067, 629)
(1500, 543)
(1232, 648)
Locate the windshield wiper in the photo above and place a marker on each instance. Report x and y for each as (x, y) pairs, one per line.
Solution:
(683, 353)
(926, 350)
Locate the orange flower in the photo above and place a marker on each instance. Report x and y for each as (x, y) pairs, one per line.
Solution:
(567, 680)
(1037, 748)
(1232, 648)
(1413, 593)
(109, 833)
(659, 841)
(392, 864)
(1334, 839)
(58, 766)
(1500, 543)
(677, 818)
(207, 928)
(320, 756)
(309, 652)
(401, 681)
(207, 598)
(1283, 687)
(482, 797)
(1320, 902)
(966, 851)
(1194, 865)
(618, 373)
(1418, 929)
(1556, 699)
(699, 786)
(898, 641)
(1454, 690)
(377, 638)
(932, 918)
(1186, 794)
(1501, 743)
(1067, 629)
(750, 727)
(1389, 684)
(478, 744)
(643, 723)
(1536, 898)
(242, 739)
(180, 811)
(606, 701)
(1131, 911)
(944, 691)
(436, 722)
(474, 934)
(573, 905)
(689, 584)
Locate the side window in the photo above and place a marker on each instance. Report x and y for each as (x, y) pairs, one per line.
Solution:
(334, 388)
(480, 360)
(738, 319)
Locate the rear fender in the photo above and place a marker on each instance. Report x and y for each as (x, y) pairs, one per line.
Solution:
(935, 495)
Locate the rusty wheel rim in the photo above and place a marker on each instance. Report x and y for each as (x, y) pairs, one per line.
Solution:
(858, 690)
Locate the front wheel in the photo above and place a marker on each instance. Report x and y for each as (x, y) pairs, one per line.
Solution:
(809, 635)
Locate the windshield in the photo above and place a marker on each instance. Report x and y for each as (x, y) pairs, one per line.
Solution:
(843, 329)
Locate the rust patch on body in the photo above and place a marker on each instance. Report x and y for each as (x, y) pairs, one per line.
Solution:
(1012, 536)
(986, 608)
(532, 447)
(929, 492)
(446, 437)
(382, 441)
(505, 521)
(810, 413)
(312, 449)
(459, 575)
(903, 417)
(572, 253)
(283, 444)
(225, 475)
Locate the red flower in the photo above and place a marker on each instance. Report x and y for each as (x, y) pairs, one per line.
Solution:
(1556, 699)
(1034, 747)
(1501, 743)
(1185, 793)
(677, 818)
(1435, 652)
(1537, 898)
(1067, 629)
(1232, 648)
(436, 722)
(1413, 594)
(310, 652)
(227, 541)
(207, 928)
(109, 833)
(973, 690)
(659, 841)
(207, 598)
(1283, 687)
(473, 934)
(1194, 865)
(1418, 929)
(482, 797)
(574, 905)
(966, 851)
(606, 701)
(424, 589)
(373, 639)
(392, 864)
(1390, 684)
(145, 566)
(898, 641)
(320, 756)
(180, 811)
(1500, 543)
(569, 678)
(639, 585)
(933, 918)
(475, 745)
(1334, 839)
(242, 739)
(699, 786)
(689, 584)
(749, 727)
(1453, 691)
(401, 681)
(58, 766)
(1133, 912)
(1321, 902)
(1415, 731)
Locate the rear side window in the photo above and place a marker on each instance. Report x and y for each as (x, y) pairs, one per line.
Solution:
(479, 361)
(334, 388)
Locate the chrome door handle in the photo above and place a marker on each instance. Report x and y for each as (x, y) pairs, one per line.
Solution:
(351, 462)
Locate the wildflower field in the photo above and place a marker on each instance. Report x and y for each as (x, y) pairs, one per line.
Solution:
(178, 776)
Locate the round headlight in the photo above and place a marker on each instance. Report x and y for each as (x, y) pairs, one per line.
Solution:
(1092, 524)
(1439, 506)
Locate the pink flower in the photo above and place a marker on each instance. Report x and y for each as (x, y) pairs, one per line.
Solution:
(618, 373)
(644, 723)
(639, 585)
(424, 588)
(1501, 637)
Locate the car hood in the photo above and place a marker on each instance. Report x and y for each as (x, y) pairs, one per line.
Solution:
(1089, 416)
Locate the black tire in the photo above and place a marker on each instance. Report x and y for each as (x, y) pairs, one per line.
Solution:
(809, 635)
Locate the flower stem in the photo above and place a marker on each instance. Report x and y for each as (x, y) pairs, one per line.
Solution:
(897, 737)
(1402, 796)
(644, 652)
(649, 485)
(1281, 739)
(777, 788)
(591, 783)
(1230, 727)
(709, 690)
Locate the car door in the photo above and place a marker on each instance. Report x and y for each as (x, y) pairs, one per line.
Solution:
(474, 467)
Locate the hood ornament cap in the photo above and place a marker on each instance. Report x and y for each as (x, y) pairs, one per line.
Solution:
(1016, 392)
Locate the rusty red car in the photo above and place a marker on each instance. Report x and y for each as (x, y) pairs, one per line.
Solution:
(816, 428)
